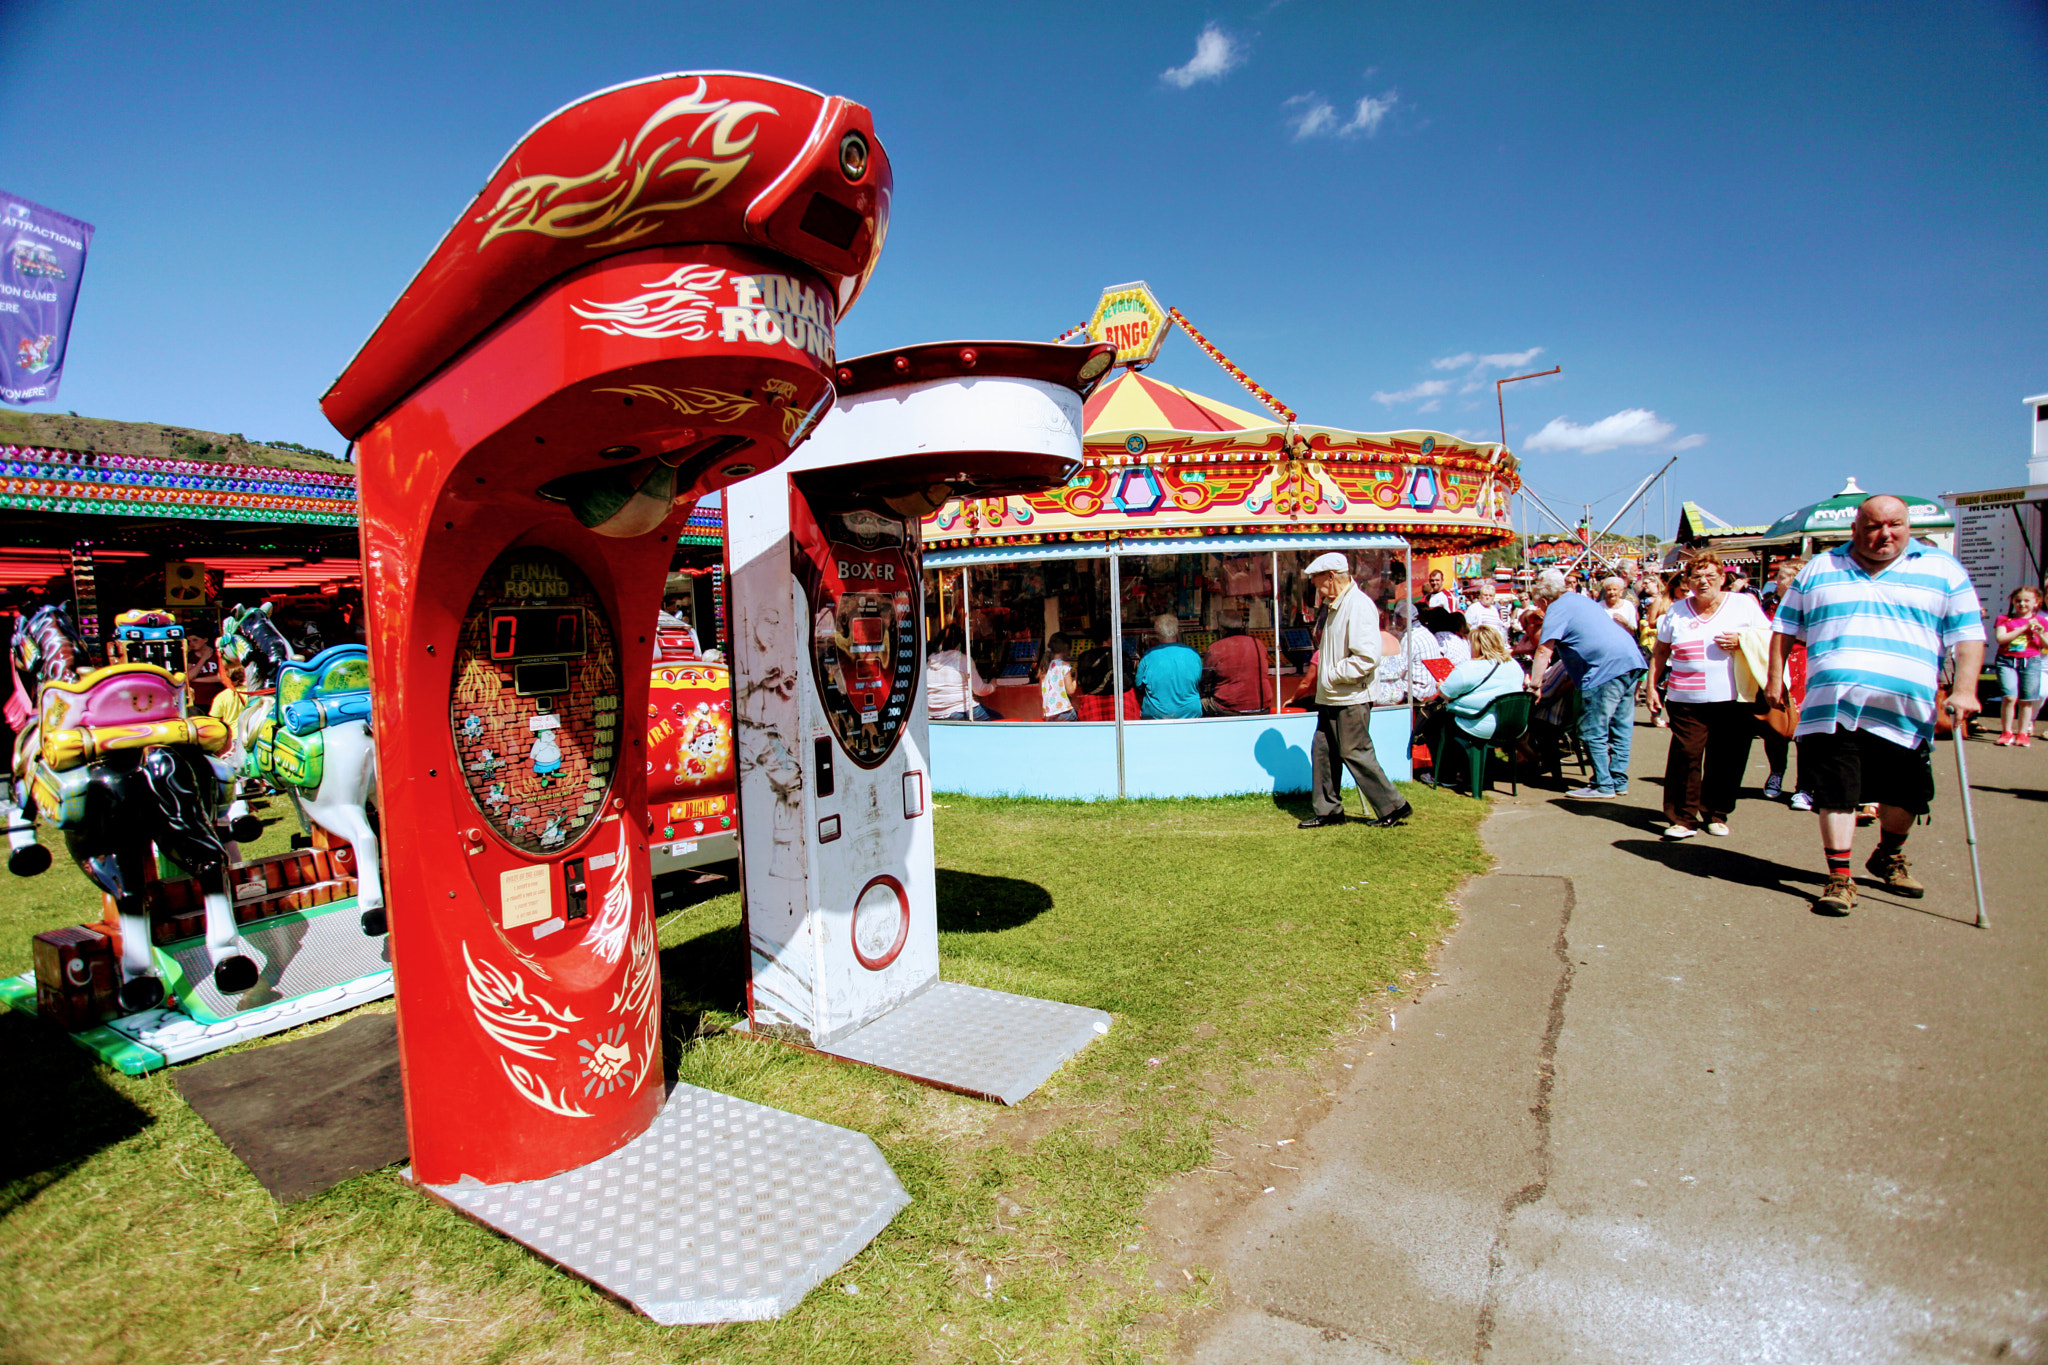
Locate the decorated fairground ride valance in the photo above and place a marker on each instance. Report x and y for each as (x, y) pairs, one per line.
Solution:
(1163, 462)
(35, 479)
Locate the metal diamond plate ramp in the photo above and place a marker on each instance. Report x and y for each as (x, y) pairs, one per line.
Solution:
(299, 954)
(722, 1211)
(980, 1042)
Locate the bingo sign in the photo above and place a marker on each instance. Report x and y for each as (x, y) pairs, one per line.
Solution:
(1133, 321)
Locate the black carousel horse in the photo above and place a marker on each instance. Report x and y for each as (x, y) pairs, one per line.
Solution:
(119, 793)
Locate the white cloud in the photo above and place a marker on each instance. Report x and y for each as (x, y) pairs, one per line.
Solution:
(1499, 360)
(1215, 53)
(1315, 116)
(1689, 442)
(1629, 427)
(1370, 114)
(1431, 406)
(1428, 388)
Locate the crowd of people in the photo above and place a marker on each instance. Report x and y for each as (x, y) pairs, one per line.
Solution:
(1853, 659)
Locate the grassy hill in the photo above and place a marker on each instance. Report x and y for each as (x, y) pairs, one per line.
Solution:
(65, 432)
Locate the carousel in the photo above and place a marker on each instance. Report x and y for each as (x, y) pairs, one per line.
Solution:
(1203, 512)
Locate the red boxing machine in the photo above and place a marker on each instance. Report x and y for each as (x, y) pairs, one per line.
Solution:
(639, 308)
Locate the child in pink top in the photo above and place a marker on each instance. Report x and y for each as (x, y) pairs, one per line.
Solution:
(2022, 639)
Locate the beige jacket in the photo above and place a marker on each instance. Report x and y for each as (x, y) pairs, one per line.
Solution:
(1349, 651)
(1752, 662)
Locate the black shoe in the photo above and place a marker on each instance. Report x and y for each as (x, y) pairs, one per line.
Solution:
(1393, 820)
(1318, 821)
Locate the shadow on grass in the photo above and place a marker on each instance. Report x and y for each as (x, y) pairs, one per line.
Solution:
(699, 977)
(975, 903)
(61, 1108)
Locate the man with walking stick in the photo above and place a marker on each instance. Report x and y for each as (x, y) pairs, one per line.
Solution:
(1877, 615)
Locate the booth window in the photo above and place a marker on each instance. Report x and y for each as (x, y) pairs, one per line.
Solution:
(1007, 618)
(1244, 619)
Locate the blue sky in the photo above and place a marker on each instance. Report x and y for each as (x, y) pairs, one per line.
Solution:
(1793, 243)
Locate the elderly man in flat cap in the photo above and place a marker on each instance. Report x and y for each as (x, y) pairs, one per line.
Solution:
(1346, 656)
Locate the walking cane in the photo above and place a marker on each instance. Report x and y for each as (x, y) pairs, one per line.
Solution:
(1969, 817)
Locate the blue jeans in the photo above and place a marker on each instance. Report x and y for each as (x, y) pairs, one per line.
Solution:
(1607, 725)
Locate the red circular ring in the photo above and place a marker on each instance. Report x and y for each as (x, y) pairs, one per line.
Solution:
(876, 964)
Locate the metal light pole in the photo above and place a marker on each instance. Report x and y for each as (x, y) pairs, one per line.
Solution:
(1501, 404)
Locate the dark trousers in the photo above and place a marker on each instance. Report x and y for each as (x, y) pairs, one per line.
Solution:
(1344, 734)
(1777, 752)
(1709, 750)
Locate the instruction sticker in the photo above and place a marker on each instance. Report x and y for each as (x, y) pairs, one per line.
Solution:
(526, 895)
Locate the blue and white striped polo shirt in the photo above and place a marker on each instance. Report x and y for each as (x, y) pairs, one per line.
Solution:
(1874, 642)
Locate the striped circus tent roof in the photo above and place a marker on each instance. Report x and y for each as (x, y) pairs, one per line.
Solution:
(1131, 402)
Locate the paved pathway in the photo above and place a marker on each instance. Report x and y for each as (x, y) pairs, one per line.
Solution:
(1660, 1111)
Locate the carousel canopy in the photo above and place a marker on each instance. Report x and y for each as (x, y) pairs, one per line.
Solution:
(1131, 402)
(1832, 516)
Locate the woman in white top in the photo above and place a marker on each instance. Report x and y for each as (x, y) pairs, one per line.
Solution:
(948, 676)
(1614, 596)
(1698, 641)
(1403, 670)
(1449, 630)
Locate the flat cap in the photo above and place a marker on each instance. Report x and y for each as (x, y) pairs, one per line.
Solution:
(1328, 563)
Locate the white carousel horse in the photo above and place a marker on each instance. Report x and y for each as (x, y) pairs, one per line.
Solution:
(312, 738)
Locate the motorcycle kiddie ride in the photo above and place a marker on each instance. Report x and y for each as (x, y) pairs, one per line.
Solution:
(200, 948)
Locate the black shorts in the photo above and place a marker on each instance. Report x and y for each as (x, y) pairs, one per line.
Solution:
(1845, 768)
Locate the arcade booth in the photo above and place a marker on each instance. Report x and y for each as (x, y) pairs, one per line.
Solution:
(637, 311)
(835, 770)
(1189, 508)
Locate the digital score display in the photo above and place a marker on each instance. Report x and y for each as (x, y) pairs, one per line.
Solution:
(537, 633)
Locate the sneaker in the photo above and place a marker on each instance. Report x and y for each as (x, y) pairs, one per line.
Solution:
(1717, 829)
(2024, 741)
(1663, 721)
(1838, 899)
(1802, 801)
(1774, 787)
(1679, 831)
(2005, 737)
(1895, 873)
(1589, 794)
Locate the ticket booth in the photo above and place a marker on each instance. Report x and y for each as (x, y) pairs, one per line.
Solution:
(638, 308)
(828, 669)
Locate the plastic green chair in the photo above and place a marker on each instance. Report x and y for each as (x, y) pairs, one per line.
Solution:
(1510, 713)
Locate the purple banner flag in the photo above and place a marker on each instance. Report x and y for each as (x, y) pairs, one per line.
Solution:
(42, 255)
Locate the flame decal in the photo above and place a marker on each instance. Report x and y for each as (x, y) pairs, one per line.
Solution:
(715, 405)
(674, 306)
(609, 199)
(536, 1089)
(519, 1022)
(614, 924)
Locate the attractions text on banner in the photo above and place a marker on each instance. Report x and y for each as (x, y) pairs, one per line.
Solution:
(42, 256)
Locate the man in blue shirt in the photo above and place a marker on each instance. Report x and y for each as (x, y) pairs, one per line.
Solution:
(1168, 676)
(1605, 664)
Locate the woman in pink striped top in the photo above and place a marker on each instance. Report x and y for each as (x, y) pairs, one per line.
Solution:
(1697, 640)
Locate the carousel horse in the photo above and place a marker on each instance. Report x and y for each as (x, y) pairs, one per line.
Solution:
(46, 645)
(313, 738)
(115, 762)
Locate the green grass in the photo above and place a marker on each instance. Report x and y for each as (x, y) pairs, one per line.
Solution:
(1225, 942)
